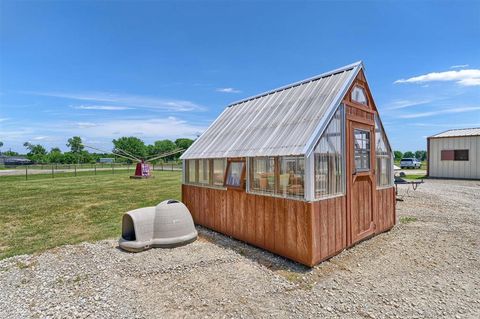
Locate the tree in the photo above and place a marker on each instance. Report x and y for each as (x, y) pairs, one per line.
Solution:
(75, 143)
(183, 143)
(408, 154)
(55, 155)
(10, 153)
(398, 155)
(132, 145)
(421, 155)
(36, 152)
(1, 144)
(163, 146)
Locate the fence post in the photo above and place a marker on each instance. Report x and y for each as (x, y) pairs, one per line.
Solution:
(75, 167)
(95, 169)
(26, 173)
(52, 172)
(172, 166)
(113, 169)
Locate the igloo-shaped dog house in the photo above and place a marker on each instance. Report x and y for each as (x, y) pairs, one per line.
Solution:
(169, 224)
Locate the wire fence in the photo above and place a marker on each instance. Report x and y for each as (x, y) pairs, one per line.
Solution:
(42, 171)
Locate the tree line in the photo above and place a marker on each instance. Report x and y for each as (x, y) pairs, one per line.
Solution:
(420, 155)
(79, 155)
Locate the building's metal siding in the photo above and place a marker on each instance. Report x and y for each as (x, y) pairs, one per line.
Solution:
(275, 124)
(455, 169)
(459, 132)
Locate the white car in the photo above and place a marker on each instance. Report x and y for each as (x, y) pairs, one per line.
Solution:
(410, 163)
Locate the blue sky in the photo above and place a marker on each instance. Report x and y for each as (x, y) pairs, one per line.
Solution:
(158, 69)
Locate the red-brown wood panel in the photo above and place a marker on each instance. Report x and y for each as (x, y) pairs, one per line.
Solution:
(316, 231)
(290, 228)
(269, 219)
(279, 221)
(323, 228)
(304, 231)
(385, 209)
(331, 225)
(260, 220)
(250, 218)
(329, 231)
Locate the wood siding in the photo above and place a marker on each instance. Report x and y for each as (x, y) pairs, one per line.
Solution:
(302, 231)
(306, 232)
(386, 216)
(329, 228)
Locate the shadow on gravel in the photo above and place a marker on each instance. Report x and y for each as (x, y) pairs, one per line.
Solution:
(257, 255)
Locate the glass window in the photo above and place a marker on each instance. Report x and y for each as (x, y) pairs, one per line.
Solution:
(191, 169)
(263, 174)
(218, 171)
(384, 166)
(329, 174)
(359, 96)
(460, 155)
(292, 175)
(203, 171)
(362, 149)
(234, 174)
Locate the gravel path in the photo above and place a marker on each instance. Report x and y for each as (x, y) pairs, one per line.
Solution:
(428, 266)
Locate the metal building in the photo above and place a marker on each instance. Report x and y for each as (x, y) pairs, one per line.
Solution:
(454, 154)
(303, 171)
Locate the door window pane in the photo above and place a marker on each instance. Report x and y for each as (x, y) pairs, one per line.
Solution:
(218, 171)
(362, 149)
(234, 174)
(263, 174)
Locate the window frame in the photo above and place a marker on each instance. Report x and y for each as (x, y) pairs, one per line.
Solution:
(242, 175)
(364, 90)
(251, 177)
(456, 155)
(368, 149)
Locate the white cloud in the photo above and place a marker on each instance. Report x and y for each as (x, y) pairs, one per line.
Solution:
(467, 77)
(445, 111)
(170, 127)
(128, 100)
(85, 124)
(459, 66)
(40, 138)
(228, 90)
(102, 107)
(401, 104)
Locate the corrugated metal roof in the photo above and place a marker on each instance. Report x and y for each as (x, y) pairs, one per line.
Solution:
(459, 132)
(279, 122)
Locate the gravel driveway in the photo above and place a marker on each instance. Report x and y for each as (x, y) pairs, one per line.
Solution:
(428, 266)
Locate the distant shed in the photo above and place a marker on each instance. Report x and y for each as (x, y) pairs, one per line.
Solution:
(303, 171)
(454, 154)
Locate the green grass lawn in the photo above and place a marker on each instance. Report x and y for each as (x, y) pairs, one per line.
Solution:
(415, 176)
(43, 213)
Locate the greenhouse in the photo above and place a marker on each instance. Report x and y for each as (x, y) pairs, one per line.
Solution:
(304, 171)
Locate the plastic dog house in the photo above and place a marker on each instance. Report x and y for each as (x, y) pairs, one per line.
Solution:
(169, 224)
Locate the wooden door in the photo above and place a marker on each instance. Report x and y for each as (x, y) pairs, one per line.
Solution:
(361, 180)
